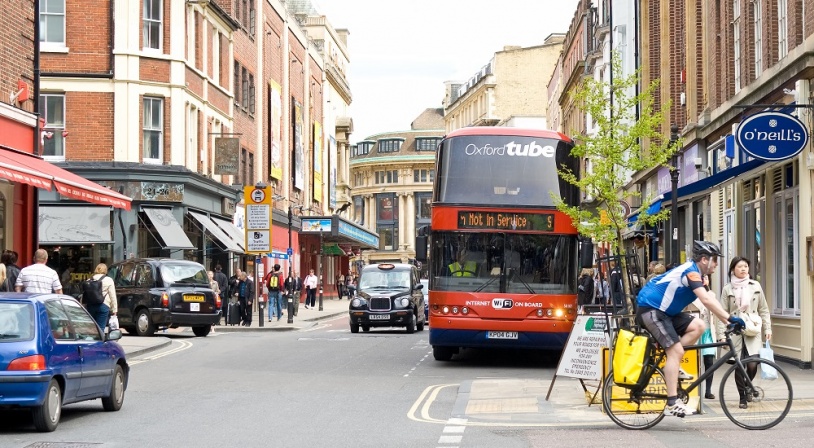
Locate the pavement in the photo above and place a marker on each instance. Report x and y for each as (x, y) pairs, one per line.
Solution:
(497, 401)
(305, 318)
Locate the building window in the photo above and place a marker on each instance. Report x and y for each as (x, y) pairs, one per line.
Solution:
(782, 28)
(358, 179)
(216, 57)
(236, 87)
(152, 24)
(387, 215)
(244, 171)
(52, 22)
(362, 148)
(421, 176)
(52, 108)
(423, 208)
(359, 210)
(758, 13)
(390, 145)
(387, 177)
(250, 173)
(426, 144)
(153, 129)
(736, 45)
(251, 95)
(388, 236)
(244, 88)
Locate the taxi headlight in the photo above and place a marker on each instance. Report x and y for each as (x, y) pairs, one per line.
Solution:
(403, 302)
(356, 303)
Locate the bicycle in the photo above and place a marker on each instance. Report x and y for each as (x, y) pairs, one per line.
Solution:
(768, 401)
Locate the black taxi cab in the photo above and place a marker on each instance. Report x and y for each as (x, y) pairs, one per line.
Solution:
(388, 295)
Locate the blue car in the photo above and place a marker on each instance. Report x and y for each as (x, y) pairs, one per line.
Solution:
(52, 353)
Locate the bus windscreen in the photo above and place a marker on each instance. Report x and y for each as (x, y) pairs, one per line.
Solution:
(504, 170)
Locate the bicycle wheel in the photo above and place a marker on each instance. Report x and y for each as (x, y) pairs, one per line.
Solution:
(767, 402)
(631, 411)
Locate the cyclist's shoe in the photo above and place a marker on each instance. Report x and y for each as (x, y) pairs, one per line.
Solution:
(679, 409)
(684, 376)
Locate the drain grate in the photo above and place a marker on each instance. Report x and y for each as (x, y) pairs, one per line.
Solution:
(62, 445)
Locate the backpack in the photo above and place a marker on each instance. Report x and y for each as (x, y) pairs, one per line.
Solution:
(273, 282)
(92, 291)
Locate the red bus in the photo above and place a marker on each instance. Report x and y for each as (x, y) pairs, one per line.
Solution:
(502, 261)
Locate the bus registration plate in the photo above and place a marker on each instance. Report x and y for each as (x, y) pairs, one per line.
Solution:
(502, 335)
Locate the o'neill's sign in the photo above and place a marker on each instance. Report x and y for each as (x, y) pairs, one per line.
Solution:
(772, 136)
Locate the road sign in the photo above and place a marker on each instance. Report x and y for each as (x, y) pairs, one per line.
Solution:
(258, 219)
(289, 251)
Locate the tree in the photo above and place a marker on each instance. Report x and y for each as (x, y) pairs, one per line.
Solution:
(615, 149)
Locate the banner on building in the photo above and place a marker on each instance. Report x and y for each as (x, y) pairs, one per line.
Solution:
(298, 148)
(275, 136)
(317, 172)
(227, 155)
(332, 156)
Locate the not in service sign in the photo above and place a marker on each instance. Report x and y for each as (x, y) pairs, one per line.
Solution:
(582, 357)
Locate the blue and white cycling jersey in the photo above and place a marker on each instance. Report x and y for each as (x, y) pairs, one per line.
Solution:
(672, 291)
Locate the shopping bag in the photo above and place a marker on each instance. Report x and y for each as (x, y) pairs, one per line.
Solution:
(631, 353)
(767, 372)
(113, 322)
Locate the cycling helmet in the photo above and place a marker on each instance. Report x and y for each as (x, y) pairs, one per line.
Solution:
(705, 248)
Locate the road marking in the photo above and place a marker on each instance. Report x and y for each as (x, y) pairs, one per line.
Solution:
(455, 426)
(424, 401)
(183, 345)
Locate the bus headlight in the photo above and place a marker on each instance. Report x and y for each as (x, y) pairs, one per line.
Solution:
(445, 310)
(464, 310)
(549, 312)
(540, 312)
(558, 312)
(454, 310)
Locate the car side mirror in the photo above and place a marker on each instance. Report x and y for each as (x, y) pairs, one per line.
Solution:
(114, 335)
(419, 287)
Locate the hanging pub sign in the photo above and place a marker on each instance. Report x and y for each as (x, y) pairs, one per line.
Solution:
(772, 136)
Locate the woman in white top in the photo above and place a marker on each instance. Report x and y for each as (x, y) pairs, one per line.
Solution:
(102, 312)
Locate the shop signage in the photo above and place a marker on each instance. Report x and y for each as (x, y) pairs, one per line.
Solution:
(316, 225)
(772, 136)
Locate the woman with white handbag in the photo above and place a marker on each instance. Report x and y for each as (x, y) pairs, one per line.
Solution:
(743, 297)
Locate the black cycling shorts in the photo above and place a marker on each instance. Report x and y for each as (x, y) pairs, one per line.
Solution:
(666, 329)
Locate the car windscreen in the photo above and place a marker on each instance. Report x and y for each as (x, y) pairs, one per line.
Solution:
(183, 274)
(16, 321)
(383, 279)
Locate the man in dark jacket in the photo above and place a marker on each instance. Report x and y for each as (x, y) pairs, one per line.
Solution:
(245, 297)
(293, 286)
(9, 258)
(223, 288)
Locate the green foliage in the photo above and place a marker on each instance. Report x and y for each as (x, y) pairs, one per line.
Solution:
(615, 149)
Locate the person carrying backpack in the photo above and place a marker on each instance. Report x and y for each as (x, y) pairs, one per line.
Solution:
(99, 297)
(274, 283)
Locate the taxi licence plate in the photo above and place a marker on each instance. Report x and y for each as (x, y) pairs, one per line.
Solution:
(194, 298)
(379, 317)
(194, 307)
(501, 335)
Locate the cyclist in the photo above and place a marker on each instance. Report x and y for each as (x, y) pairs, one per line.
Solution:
(660, 304)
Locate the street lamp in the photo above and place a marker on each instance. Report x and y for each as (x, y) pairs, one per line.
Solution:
(290, 253)
(319, 268)
(674, 206)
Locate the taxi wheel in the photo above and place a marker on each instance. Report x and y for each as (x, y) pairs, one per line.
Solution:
(144, 325)
(46, 416)
(354, 328)
(420, 324)
(365, 328)
(411, 324)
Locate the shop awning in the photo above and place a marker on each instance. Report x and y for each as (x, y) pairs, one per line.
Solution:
(654, 208)
(168, 228)
(231, 230)
(32, 170)
(226, 241)
(74, 224)
(710, 182)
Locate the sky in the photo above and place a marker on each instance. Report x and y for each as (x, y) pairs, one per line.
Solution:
(402, 52)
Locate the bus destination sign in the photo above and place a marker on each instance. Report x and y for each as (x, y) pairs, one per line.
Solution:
(505, 220)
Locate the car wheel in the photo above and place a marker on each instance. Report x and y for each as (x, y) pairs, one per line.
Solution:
(420, 324)
(365, 328)
(46, 416)
(411, 324)
(442, 353)
(113, 402)
(354, 328)
(144, 325)
(201, 331)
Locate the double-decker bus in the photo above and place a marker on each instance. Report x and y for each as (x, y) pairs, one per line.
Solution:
(502, 261)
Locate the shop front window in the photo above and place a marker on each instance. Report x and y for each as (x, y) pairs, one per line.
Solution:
(75, 263)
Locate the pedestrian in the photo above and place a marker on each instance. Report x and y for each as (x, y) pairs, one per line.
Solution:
(617, 289)
(350, 286)
(744, 297)
(274, 284)
(234, 283)
(340, 286)
(603, 290)
(213, 285)
(311, 282)
(293, 284)
(9, 259)
(4, 284)
(102, 313)
(223, 287)
(585, 287)
(245, 297)
(650, 273)
(38, 277)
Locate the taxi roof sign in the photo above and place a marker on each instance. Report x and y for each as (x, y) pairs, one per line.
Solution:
(386, 266)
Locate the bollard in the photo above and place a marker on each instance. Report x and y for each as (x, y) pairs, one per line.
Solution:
(260, 307)
(291, 308)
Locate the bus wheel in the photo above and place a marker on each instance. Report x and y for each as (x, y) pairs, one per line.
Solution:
(442, 353)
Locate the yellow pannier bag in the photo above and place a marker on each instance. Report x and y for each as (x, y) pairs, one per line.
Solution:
(631, 353)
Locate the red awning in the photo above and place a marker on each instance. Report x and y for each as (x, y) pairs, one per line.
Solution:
(32, 170)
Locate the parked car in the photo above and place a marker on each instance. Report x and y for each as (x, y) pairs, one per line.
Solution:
(52, 353)
(159, 293)
(426, 290)
(388, 295)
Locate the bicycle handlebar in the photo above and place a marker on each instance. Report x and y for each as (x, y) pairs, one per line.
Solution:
(733, 329)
